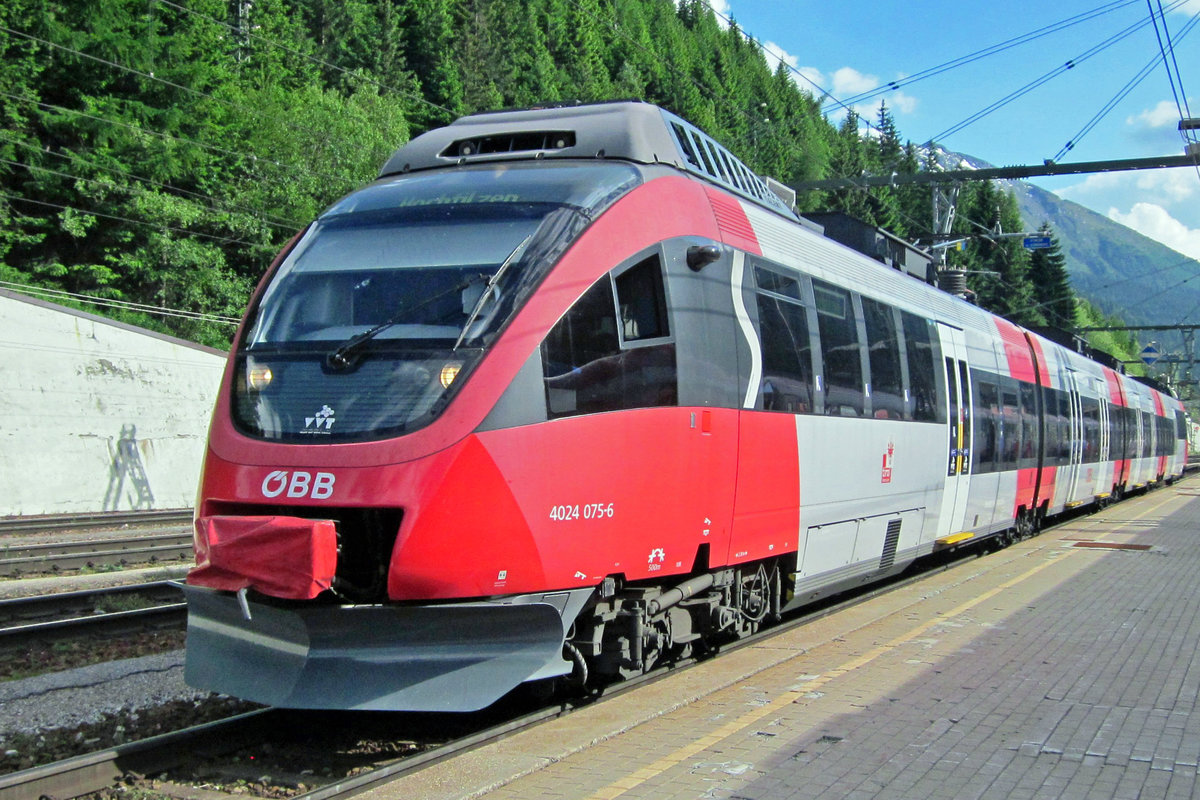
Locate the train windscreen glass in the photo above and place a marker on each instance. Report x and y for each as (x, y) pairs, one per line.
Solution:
(387, 302)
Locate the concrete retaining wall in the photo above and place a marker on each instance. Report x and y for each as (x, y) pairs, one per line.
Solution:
(96, 415)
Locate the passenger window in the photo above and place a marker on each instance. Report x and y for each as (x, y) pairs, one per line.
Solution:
(1010, 428)
(883, 349)
(592, 358)
(787, 353)
(987, 422)
(1029, 425)
(925, 383)
(839, 350)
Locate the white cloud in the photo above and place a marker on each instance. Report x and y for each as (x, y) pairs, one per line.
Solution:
(844, 82)
(814, 76)
(1190, 7)
(1165, 114)
(1165, 186)
(809, 79)
(1155, 221)
(776, 54)
(849, 81)
(720, 6)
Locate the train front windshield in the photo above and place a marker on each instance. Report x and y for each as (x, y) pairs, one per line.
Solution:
(393, 295)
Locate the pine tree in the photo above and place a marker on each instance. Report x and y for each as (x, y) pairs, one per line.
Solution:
(849, 159)
(998, 265)
(1051, 282)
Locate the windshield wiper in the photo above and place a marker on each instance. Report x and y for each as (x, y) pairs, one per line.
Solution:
(487, 291)
(346, 354)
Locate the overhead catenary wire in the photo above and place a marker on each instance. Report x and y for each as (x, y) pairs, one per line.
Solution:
(991, 50)
(616, 26)
(798, 73)
(1168, 56)
(250, 112)
(141, 130)
(117, 217)
(1069, 64)
(74, 157)
(1121, 94)
(107, 302)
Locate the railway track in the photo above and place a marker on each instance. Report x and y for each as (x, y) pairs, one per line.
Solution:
(22, 558)
(92, 772)
(110, 612)
(106, 519)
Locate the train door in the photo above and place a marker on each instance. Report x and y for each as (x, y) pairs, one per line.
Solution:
(958, 438)
(1076, 438)
(1105, 479)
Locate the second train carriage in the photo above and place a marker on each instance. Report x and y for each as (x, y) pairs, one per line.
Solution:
(567, 390)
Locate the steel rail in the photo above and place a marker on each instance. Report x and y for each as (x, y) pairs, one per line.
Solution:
(39, 608)
(93, 772)
(70, 615)
(104, 519)
(42, 557)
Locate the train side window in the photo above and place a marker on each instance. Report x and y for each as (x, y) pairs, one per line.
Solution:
(1165, 435)
(1057, 443)
(787, 377)
(1029, 425)
(1091, 429)
(987, 413)
(925, 375)
(883, 348)
(1010, 424)
(1146, 440)
(1068, 437)
(594, 359)
(642, 302)
(839, 350)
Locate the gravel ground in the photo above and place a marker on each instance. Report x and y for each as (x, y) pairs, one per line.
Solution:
(84, 695)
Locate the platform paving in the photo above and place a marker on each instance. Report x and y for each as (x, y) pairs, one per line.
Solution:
(1047, 670)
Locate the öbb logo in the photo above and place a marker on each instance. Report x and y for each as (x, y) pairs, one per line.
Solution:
(317, 486)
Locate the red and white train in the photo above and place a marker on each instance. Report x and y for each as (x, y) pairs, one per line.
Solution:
(569, 390)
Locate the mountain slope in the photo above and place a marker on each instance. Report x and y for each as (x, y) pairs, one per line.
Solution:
(1114, 267)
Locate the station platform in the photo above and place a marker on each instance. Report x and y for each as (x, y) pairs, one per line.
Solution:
(1065, 666)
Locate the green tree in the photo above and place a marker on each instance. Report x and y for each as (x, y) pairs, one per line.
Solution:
(998, 266)
(1051, 282)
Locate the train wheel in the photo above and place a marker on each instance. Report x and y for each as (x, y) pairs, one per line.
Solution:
(1023, 526)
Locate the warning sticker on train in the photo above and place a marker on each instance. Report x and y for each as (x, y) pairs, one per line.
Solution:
(886, 476)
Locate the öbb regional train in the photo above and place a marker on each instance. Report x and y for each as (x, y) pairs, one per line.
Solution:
(566, 391)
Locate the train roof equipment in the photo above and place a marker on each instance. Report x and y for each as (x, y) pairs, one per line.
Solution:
(630, 130)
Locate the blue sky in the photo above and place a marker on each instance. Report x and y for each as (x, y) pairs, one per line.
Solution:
(851, 47)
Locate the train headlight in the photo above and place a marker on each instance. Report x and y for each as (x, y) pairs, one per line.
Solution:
(259, 378)
(448, 374)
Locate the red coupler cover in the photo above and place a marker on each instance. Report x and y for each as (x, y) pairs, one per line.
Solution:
(286, 557)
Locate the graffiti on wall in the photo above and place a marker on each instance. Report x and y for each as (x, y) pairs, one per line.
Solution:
(127, 474)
